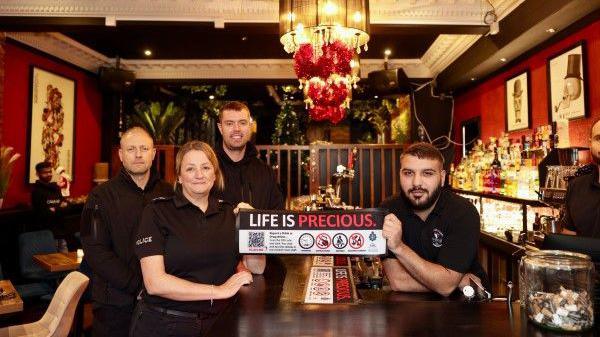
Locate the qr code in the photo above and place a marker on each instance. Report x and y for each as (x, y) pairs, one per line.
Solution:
(256, 239)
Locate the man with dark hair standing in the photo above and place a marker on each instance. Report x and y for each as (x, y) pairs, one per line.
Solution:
(432, 233)
(109, 224)
(582, 202)
(247, 178)
(47, 201)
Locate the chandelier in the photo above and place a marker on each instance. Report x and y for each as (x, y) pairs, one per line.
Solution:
(321, 22)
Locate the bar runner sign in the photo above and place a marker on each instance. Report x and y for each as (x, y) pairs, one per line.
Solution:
(344, 232)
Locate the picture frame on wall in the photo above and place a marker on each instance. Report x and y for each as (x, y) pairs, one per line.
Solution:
(51, 131)
(517, 102)
(567, 87)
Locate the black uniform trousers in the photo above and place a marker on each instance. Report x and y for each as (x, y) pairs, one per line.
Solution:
(111, 320)
(149, 322)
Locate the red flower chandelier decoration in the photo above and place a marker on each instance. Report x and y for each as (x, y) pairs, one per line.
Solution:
(324, 37)
(327, 77)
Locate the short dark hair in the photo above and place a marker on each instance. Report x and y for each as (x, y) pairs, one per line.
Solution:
(424, 150)
(233, 105)
(42, 165)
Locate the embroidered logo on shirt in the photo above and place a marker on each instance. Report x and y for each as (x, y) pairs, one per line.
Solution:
(437, 238)
(144, 240)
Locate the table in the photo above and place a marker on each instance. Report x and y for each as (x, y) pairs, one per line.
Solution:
(270, 306)
(57, 262)
(11, 305)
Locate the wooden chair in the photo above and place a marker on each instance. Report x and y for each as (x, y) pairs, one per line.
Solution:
(59, 316)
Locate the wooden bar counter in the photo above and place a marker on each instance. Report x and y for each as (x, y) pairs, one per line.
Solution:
(271, 306)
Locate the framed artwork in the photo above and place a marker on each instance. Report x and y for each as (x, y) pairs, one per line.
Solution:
(516, 99)
(567, 87)
(51, 121)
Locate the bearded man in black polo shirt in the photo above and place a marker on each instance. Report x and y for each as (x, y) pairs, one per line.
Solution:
(582, 203)
(432, 233)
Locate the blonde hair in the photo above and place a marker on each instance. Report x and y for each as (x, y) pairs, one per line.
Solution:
(196, 145)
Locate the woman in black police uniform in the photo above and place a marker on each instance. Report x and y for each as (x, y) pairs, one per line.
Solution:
(186, 245)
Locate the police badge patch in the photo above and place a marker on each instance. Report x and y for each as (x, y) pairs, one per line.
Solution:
(438, 238)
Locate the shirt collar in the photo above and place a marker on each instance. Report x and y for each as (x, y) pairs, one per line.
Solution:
(181, 201)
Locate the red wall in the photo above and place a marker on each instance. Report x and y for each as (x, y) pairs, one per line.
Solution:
(88, 110)
(487, 99)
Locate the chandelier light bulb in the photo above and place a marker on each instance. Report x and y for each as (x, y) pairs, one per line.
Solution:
(357, 16)
(330, 8)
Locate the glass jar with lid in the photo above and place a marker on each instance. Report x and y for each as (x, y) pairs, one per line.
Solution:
(559, 288)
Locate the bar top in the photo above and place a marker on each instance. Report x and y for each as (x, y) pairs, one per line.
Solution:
(271, 306)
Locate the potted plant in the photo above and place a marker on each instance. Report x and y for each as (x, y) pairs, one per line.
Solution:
(7, 159)
(160, 122)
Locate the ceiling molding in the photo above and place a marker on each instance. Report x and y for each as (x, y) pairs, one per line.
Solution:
(456, 12)
(445, 50)
(250, 69)
(62, 47)
(67, 49)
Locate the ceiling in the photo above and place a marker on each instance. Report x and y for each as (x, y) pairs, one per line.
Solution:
(240, 38)
(235, 41)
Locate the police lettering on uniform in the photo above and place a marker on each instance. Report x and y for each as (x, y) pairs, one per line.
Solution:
(187, 250)
(432, 234)
(109, 224)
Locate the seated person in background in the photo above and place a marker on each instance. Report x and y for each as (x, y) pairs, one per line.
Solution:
(47, 201)
(432, 233)
(582, 203)
(188, 253)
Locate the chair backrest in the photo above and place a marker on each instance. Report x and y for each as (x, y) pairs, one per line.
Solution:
(32, 243)
(61, 311)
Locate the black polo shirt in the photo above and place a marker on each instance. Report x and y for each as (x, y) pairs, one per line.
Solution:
(448, 237)
(197, 246)
(582, 205)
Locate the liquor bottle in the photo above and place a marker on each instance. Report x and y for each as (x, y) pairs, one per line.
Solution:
(495, 174)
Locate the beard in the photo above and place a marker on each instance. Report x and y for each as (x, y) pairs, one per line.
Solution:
(423, 204)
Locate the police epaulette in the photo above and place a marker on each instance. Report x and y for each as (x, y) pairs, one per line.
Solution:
(157, 199)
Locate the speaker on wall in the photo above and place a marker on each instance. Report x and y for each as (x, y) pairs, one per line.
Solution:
(116, 80)
(389, 81)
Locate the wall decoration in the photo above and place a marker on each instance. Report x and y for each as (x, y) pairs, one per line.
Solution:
(51, 121)
(567, 88)
(516, 98)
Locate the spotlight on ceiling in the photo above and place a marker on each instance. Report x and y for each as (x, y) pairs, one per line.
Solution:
(148, 52)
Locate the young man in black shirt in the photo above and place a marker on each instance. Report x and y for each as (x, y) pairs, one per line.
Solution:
(432, 233)
(47, 201)
(109, 224)
(247, 178)
(582, 203)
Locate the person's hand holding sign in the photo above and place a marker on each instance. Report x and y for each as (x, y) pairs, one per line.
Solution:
(253, 263)
(242, 205)
(392, 231)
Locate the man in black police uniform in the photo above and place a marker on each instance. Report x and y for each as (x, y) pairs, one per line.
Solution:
(432, 233)
(47, 201)
(109, 224)
(582, 203)
(247, 178)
